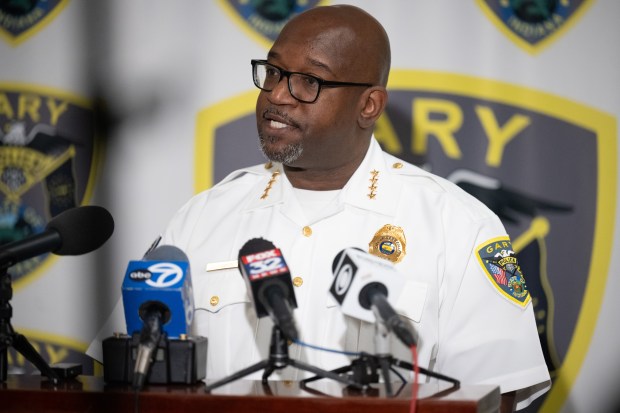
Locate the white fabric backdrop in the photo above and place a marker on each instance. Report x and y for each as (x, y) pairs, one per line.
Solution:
(159, 63)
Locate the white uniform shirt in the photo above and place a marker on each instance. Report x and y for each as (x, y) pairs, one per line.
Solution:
(467, 328)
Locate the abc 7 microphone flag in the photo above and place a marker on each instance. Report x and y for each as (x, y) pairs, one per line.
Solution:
(167, 282)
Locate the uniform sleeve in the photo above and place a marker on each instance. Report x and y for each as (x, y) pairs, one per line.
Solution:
(488, 333)
(182, 224)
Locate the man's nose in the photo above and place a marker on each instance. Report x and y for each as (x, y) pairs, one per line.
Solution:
(281, 93)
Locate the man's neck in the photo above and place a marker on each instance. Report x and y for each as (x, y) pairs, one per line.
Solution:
(326, 178)
(319, 180)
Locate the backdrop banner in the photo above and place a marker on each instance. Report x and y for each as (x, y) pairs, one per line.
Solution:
(136, 106)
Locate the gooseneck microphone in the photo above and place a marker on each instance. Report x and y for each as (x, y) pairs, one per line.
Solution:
(269, 280)
(75, 231)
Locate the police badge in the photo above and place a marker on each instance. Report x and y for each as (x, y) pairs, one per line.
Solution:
(389, 243)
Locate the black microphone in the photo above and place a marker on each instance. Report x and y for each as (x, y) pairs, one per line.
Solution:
(269, 280)
(75, 231)
(374, 295)
(154, 314)
(363, 285)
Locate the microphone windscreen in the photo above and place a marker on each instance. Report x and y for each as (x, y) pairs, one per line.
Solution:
(166, 253)
(82, 229)
(255, 245)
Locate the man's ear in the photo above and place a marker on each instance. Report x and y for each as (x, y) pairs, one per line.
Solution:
(373, 102)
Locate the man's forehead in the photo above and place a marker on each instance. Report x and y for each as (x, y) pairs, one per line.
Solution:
(319, 49)
(297, 60)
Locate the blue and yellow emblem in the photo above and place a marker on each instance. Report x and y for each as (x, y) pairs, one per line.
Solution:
(263, 19)
(20, 19)
(499, 262)
(532, 24)
(48, 160)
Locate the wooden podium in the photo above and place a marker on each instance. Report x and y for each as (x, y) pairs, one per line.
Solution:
(29, 393)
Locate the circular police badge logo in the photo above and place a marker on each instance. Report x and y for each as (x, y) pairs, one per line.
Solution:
(517, 286)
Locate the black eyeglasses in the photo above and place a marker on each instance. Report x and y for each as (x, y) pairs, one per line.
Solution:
(303, 87)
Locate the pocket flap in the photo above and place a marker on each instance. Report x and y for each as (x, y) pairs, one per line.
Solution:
(218, 289)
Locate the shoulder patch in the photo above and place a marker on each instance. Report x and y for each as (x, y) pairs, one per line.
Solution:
(500, 265)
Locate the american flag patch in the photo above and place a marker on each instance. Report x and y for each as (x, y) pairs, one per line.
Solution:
(499, 274)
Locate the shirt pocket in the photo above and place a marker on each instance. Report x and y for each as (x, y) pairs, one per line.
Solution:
(412, 299)
(220, 289)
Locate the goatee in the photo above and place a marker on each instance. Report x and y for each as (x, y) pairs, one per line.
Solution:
(286, 156)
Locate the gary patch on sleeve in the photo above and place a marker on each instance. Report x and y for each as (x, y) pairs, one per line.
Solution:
(500, 265)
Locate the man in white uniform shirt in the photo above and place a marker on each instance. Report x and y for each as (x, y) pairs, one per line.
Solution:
(328, 186)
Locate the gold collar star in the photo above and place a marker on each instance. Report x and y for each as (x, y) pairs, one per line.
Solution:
(274, 177)
(373, 184)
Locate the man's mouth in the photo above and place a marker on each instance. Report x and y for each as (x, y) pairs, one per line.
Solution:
(277, 125)
(278, 120)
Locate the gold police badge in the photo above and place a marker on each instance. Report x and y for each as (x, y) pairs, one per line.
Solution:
(389, 243)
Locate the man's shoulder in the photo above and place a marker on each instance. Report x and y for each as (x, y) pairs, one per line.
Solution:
(245, 175)
(418, 176)
(230, 190)
(420, 180)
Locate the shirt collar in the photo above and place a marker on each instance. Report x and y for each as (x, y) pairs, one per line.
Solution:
(372, 187)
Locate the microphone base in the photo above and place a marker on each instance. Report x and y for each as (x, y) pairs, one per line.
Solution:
(278, 359)
(365, 369)
(176, 361)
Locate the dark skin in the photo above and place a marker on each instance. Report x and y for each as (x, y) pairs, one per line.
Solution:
(342, 43)
(335, 130)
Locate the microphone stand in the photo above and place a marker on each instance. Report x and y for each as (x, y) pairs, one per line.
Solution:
(364, 369)
(10, 338)
(279, 359)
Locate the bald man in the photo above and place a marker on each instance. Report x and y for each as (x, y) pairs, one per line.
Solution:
(328, 186)
(321, 144)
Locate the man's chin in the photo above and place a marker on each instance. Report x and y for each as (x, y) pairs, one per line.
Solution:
(286, 154)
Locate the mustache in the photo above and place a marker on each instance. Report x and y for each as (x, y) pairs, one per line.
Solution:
(279, 114)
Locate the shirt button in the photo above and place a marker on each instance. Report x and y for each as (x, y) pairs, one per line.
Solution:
(307, 231)
(214, 300)
(298, 281)
(397, 165)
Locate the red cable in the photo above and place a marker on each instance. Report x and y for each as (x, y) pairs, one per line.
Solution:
(414, 385)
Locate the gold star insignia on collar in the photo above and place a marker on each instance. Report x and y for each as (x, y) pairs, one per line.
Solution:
(273, 179)
(373, 184)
